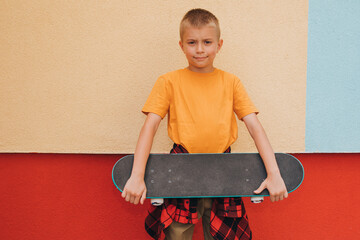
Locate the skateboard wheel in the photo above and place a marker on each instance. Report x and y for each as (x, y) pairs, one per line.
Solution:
(257, 199)
(157, 201)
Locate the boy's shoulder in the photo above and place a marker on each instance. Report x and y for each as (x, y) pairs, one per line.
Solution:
(171, 74)
(227, 74)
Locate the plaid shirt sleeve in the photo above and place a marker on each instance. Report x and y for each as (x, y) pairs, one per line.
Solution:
(228, 220)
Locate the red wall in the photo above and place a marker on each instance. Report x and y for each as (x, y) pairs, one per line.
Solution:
(70, 196)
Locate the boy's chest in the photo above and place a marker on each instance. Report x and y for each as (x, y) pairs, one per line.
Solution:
(198, 97)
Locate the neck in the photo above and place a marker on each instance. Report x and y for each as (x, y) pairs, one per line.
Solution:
(201, 70)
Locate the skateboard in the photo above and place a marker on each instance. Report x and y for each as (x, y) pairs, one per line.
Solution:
(208, 175)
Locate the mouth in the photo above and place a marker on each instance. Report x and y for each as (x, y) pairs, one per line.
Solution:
(200, 58)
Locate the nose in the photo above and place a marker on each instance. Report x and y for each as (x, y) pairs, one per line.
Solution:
(199, 48)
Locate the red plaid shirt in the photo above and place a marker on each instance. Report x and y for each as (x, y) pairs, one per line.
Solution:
(228, 220)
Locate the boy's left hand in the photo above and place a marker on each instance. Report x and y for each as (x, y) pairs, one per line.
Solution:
(276, 186)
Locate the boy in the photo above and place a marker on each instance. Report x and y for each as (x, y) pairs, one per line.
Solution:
(200, 101)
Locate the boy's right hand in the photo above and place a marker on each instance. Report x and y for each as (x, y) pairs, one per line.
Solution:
(134, 190)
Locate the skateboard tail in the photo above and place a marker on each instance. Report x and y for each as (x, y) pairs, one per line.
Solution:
(303, 171)
(113, 177)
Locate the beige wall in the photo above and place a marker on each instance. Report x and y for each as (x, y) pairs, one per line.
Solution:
(75, 74)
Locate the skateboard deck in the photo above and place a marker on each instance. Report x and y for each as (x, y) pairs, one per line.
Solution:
(208, 175)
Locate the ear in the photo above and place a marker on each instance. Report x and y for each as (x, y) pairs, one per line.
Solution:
(220, 43)
(181, 45)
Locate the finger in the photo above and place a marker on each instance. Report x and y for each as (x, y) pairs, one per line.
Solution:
(286, 194)
(127, 197)
(281, 197)
(276, 198)
(143, 197)
(261, 188)
(137, 199)
(132, 199)
(123, 194)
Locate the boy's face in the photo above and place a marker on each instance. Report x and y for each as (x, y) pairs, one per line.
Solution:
(200, 46)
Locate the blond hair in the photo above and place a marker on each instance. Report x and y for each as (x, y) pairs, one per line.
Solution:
(198, 18)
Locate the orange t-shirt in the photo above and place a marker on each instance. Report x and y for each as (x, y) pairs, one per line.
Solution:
(201, 108)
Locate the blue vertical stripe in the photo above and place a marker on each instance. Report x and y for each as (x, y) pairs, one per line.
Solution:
(333, 77)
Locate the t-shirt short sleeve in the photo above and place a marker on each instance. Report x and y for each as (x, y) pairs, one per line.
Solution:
(242, 103)
(158, 101)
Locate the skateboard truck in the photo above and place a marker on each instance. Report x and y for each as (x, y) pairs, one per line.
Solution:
(257, 199)
(157, 201)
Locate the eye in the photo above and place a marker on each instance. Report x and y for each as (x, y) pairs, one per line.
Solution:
(191, 42)
(207, 42)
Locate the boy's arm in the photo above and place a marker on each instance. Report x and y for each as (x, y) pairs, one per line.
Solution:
(274, 182)
(135, 188)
